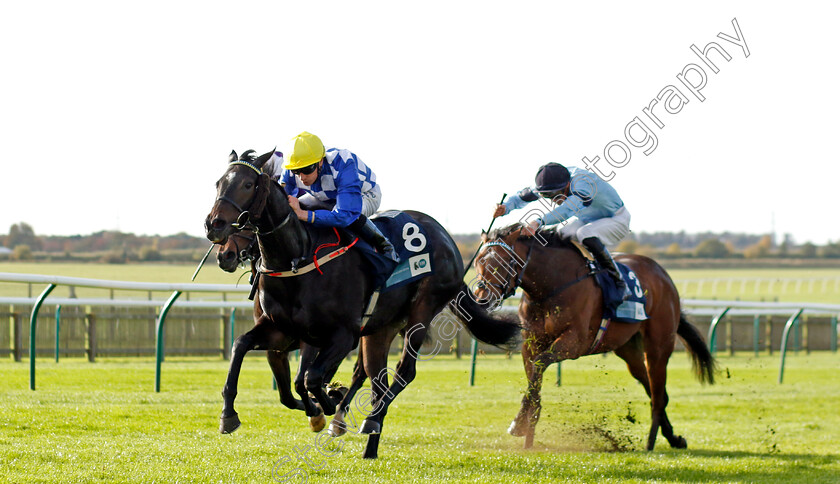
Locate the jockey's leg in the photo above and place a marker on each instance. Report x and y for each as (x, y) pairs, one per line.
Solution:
(608, 230)
(602, 255)
(367, 230)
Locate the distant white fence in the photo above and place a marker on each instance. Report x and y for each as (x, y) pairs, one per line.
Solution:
(713, 308)
(760, 285)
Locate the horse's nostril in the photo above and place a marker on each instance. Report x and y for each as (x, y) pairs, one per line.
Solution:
(229, 255)
(218, 224)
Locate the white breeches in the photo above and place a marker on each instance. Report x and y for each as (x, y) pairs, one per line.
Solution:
(610, 230)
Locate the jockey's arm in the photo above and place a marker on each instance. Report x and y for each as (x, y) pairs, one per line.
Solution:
(348, 203)
(518, 200)
(287, 179)
(566, 210)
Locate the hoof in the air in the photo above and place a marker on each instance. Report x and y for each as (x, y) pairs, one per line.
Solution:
(370, 427)
(679, 442)
(336, 394)
(228, 425)
(317, 423)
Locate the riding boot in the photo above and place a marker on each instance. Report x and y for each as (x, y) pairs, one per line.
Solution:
(602, 255)
(374, 237)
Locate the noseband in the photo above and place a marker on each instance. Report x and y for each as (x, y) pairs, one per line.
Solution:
(244, 255)
(507, 289)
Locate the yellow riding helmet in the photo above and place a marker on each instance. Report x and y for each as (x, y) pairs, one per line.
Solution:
(308, 150)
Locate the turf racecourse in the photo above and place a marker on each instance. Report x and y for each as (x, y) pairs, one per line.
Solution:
(101, 422)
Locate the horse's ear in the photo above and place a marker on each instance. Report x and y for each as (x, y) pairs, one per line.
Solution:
(232, 157)
(483, 236)
(260, 160)
(248, 155)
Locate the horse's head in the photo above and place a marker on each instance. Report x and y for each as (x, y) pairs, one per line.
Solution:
(241, 195)
(498, 266)
(239, 249)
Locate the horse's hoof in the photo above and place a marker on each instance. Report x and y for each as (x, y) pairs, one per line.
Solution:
(679, 442)
(370, 427)
(337, 427)
(514, 430)
(317, 423)
(336, 394)
(228, 425)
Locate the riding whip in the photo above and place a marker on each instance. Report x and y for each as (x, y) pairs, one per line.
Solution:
(467, 268)
(202, 262)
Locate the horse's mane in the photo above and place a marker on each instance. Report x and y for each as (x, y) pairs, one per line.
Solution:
(550, 235)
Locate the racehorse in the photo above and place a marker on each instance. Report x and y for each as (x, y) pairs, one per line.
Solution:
(324, 308)
(561, 313)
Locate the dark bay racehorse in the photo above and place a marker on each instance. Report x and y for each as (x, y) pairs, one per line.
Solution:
(561, 311)
(325, 310)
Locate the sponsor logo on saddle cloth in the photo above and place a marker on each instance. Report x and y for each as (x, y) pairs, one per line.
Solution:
(411, 243)
(632, 310)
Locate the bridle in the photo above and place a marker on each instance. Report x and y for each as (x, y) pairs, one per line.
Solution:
(244, 255)
(256, 204)
(509, 287)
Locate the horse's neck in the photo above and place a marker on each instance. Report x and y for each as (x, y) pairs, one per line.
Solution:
(279, 246)
(551, 267)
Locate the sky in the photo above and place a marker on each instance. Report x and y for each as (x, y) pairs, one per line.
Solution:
(121, 115)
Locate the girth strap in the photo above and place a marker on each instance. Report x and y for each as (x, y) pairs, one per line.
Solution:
(316, 264)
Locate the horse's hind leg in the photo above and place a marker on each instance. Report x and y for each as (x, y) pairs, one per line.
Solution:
(420, 316)
(338, 426)
(657, 354)
(632, 353)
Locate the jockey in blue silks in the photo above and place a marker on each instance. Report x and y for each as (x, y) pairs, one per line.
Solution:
(588, 210)
(333, 188)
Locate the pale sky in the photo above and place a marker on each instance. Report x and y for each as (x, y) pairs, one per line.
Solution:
(121, 115)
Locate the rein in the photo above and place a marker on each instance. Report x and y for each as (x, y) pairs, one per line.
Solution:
(508, 292)
(504, 289)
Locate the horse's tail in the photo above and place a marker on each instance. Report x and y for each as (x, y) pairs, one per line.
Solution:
(703, 362)
(496, 329)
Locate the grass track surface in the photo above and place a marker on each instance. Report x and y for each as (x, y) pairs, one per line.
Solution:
(101, 422)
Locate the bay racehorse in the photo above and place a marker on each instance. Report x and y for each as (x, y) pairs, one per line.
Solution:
(561, 313)
(324, 310)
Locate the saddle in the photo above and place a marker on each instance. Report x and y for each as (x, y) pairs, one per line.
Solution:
(616, 308)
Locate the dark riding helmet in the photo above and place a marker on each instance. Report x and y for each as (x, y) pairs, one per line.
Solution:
(552, 179)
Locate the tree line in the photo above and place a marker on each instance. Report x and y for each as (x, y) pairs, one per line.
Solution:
(104, 246)
(114, 246)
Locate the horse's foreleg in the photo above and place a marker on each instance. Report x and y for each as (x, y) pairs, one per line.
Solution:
(535, 360)
(307, 357)
(327, 360)
(279, 363)
(230, 420)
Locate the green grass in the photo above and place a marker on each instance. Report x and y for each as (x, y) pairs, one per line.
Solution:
(102, 423)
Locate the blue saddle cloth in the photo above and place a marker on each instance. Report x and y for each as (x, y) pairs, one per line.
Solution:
(410, 240)
(632, 310)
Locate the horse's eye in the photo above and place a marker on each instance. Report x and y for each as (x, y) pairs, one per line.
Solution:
(249, 185)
